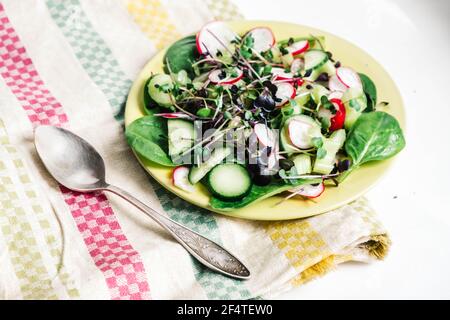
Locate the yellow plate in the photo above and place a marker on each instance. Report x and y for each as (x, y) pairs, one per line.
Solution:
(354, 186)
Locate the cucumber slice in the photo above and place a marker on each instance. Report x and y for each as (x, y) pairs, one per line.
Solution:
(319, 91)
(156, 89)
(331, 146)
(149, 104)
(328, 68)
(229, 181)
(314, 59)
(355, 101)
(302, 163)
(217, 156)
(181, 136)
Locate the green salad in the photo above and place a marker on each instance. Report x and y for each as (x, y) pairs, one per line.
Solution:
(250, 116)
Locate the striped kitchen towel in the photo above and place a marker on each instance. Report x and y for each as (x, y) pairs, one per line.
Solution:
(70, 63)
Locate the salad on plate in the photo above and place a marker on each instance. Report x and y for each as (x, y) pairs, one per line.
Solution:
(250, 116)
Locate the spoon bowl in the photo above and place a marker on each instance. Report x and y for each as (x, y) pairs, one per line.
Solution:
(71, 160)
(75, 164)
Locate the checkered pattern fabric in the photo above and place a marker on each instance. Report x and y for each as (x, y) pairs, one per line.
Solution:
(28, 188)
(126, 277)
(215, 285)
(92, 52)
(224, 10)
(151, 16)
(90, 245)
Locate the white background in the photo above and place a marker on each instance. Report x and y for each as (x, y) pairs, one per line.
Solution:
(410, 38)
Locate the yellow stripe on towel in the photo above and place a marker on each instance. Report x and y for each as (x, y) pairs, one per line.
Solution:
(153, 19)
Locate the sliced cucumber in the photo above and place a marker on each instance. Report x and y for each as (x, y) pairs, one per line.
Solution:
(229, 181)
(149, 104)
(287, 60)
(217, 156)
(314, 59)
(355, 101)
(331, 145)
(181, 136)
(328, 68)
(302, 163)
(158, 87)
(319, 91)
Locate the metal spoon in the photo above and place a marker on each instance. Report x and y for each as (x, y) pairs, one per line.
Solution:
(74, 163)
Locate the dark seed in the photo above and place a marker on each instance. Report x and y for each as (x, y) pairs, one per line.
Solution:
(337, 64)
(315, 184)
(308, 73)
(344, 165)
(309, 87)
(264, 101)
(262, 180)
(202, 93)
(222, 75)
(290, 41)
(286, 164)
(322, 77)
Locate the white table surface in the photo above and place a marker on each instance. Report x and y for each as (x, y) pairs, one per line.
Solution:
(410, 38)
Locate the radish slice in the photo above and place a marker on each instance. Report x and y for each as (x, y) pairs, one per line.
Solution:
(297, 65)
(214, 77)
(215, 37)
(263, 38)
(298, 47)
(300, 133)
(180, 179)
(335, 84)
(280, 74)
(285, 91)
(335, 95)
(348, 77)
(264, 134)
(173, 115)
(309, 190)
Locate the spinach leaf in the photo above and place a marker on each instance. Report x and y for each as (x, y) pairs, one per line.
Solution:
(375, 136)
(148, 137)
(181, 56)
(370, 90)
(257, 193)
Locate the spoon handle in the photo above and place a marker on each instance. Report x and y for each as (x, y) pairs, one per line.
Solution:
(204, 250)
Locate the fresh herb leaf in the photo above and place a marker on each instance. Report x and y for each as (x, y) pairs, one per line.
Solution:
(317, 142)
(181, 55)
(375, 136)
(370, 91)
(321, 153)
(147, 136)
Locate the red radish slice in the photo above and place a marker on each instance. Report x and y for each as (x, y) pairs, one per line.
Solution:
(300, 133)
(335, 84)
(296, 65)
(285, 91)
(214, 77)
(180, 179)
(173, 115)
(280, 74)
(214, 37)
(309, 190)
(338, 119)
(348, 77)
(264, 134)
(335, 95)
(263, 38)
(298, 47)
